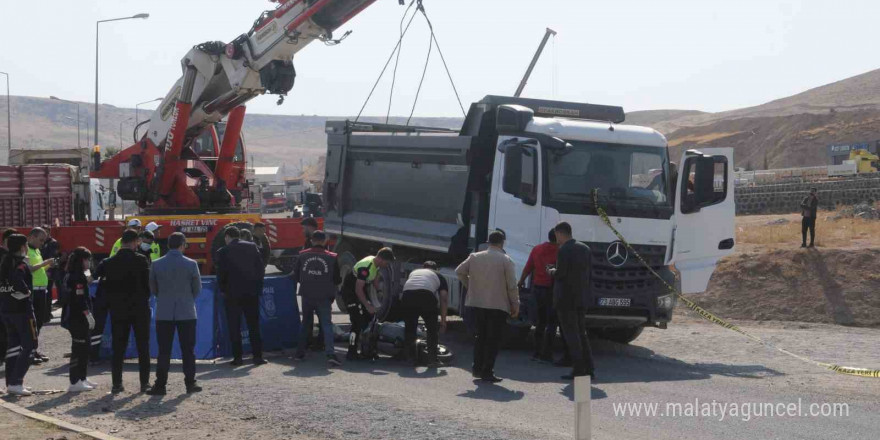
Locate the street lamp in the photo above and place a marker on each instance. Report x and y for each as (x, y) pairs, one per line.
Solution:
(78, 143)
(97, 28)
(136, 120)
(8, 118)
(120, 131)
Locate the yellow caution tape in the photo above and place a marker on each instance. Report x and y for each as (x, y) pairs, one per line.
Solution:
(709, 316)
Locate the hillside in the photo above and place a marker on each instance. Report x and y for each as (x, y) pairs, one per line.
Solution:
(42, 123)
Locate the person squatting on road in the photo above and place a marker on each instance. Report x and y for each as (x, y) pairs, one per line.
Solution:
(17, 311)
(354, 293)
(571, 295)
(40, 284)
(240, 272)
(809, 207)
(541, 257)
(77, 318)
(490, 278)
(176, 282)
(426, 295)
(317, 272)
(125, 292)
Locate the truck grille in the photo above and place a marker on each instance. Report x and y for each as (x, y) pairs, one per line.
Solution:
(630, 278)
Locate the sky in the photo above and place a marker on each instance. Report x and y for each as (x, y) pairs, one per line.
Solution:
(709, 55)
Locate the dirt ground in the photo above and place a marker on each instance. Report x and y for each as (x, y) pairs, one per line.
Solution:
(770, 277)
(18, 427)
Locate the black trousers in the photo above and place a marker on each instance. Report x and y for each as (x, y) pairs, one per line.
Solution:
(21, 338)
(123, 323)
(490, 328)
(421, 304)
(186, 336)
(360, 318)
(574, 329)
(808, 223)
(79, 348)
(2, 342)
(547, 322)
(250, 307)
(99, 312)
(41, 306)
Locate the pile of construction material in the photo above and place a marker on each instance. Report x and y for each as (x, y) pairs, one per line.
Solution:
(865, 210)
(786, 198)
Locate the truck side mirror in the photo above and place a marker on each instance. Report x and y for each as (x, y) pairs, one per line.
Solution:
(704, 182)
(512, 169)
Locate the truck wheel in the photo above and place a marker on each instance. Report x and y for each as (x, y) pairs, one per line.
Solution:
(620, 335)
(346, 263)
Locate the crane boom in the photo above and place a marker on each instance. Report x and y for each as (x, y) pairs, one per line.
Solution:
(162, 170)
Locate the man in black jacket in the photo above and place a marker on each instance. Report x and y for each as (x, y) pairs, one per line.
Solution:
(240, 273)
(126, 289)
(571, 295)
(262, 242)
(317, 272)
(809, 207)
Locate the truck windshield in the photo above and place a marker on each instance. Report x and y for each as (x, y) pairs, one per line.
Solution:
(632, 180)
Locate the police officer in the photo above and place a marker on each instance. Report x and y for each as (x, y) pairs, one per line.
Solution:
(126, 292)
(40, 283)
(360, 309)
(262, 242)
(76, 317)
(148, 246)
(134, 224)
(317, 272)
(3, 252)
(18, 314)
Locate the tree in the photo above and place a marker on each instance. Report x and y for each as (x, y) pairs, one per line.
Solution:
(110, 152)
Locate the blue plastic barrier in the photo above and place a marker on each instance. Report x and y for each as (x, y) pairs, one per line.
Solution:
(279, 322)
(279, 318)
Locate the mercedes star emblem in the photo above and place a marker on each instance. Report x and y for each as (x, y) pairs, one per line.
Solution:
(616, 254)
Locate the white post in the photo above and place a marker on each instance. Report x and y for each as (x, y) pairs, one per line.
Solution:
(582, 414)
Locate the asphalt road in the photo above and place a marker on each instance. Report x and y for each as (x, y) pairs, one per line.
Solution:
(387, 400)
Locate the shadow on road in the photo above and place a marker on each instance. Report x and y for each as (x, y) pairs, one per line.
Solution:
(492, 391)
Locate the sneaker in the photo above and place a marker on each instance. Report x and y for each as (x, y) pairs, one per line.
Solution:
(79, 387)
(41, 356)
(333, 361)
(260, 361)
(120, 389)
(36, 361)
(90, 383)
(145, 387)
(18, 390)
(193, 389)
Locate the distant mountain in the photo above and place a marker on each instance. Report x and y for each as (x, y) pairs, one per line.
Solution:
(786, 132)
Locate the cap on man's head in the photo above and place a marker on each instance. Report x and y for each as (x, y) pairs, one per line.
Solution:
(319, 236)
(152, 227)
(134, 223)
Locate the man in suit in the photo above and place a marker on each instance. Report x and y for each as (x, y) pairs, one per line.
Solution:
(176, 282)
(240, 278)
(125, 281)
(490, 278)
(571, 295)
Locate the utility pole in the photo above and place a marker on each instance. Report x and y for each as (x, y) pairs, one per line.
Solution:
(8, 119)
(522, 84)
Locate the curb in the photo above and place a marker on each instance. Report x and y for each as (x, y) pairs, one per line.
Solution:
(56, 422)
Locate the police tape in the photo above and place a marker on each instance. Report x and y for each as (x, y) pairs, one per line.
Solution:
(709, 316)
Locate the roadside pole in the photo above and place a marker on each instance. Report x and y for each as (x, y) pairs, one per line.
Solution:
(582, 413)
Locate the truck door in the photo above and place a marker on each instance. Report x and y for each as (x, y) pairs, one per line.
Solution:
(704, 215)
(516, 196)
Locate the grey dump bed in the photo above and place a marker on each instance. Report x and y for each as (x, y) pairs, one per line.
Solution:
(405, 188)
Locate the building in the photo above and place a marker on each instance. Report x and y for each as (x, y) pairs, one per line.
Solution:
(266, 175)
(839, 153)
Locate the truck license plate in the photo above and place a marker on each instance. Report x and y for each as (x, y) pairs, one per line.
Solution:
(614, 302)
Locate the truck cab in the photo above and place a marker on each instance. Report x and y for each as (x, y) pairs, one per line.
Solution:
(521, 166)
